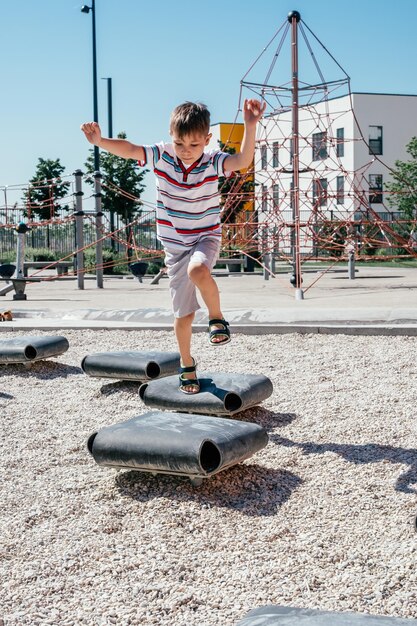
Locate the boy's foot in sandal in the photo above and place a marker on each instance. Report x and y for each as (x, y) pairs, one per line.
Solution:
(219, 332)
(188, 379)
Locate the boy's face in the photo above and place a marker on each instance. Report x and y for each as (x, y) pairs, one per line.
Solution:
(189, 148)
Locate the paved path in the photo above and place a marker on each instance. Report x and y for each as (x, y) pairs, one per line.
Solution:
(382, 300)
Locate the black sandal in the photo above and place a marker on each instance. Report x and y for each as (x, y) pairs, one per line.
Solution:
(219, 332)
(187, 382)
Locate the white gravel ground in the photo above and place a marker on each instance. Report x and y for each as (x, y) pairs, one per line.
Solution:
(321, 518)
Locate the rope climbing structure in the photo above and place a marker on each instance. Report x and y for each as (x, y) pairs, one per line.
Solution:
(317, 190)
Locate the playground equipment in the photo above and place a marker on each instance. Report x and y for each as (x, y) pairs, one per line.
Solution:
(19, 281)
(131, 365)
(316, 191)
(30, 349)
(220, 394)
(19, 286)
(138, 269)
(7, 270)
(290, 616)
(188, 441)
(161, 274)
(196, 446)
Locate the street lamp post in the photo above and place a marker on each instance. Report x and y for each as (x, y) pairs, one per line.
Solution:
(110, 134)
(109, 105)
(87, 9)
(97, 175)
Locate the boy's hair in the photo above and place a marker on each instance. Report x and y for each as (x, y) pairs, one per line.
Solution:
(189, 118)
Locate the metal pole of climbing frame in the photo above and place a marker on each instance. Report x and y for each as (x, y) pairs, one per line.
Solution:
(79, 228)
(21, 230)
(99, 229)
(294, 17)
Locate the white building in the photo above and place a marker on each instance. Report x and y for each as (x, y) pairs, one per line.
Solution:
(347, 146)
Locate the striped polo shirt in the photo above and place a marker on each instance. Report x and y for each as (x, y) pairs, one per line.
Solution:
(187, 208)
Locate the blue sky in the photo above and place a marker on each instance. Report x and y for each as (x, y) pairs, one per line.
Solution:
(162, 53)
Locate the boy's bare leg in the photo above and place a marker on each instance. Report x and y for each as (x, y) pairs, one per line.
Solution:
(183, 333)
(201, 276)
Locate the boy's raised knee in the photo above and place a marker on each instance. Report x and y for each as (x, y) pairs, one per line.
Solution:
(185, 320)
(198, 272)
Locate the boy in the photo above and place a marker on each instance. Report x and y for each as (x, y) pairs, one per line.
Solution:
(188, 213)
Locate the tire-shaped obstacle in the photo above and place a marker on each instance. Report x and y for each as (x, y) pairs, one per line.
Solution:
(291, 616)
(197, 446)
(30, 349)
(131, 365)
(220, 394)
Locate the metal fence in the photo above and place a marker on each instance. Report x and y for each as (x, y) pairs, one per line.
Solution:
(140, 237)
(60, 239)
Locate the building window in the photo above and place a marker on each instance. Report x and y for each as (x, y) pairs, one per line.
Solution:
(275, 154)
(319, 146)
(264, 157)
(275, 195)
(340, 190)
(375, 189)
(375, 140)
(264, 202)
(340, 142)
(319, 192)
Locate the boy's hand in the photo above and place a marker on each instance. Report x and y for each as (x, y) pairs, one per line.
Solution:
(92, 132)
(253, 111)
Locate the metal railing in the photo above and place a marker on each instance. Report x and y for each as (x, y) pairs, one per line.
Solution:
(60, 239)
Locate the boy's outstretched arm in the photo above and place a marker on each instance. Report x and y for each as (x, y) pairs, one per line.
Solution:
(252, 113)
(119, 147)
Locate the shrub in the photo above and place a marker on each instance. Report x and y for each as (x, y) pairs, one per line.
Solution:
(153, 268)
(113, 262)
(32, 254)
(43, 254)
(390, 251)
(122, 266)
(8, 257)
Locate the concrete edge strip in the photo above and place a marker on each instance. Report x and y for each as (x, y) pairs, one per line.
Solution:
(246, 329)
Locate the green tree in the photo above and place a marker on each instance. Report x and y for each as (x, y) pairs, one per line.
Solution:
(122, 186)
(45, 190)
(403, 188)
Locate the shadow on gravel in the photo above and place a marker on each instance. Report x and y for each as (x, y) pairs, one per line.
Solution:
(367, 453)
(252, 490)
(120, 385)
(41, 370)
(265, 418)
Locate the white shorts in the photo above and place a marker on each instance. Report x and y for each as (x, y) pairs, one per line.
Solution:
(183, 291)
